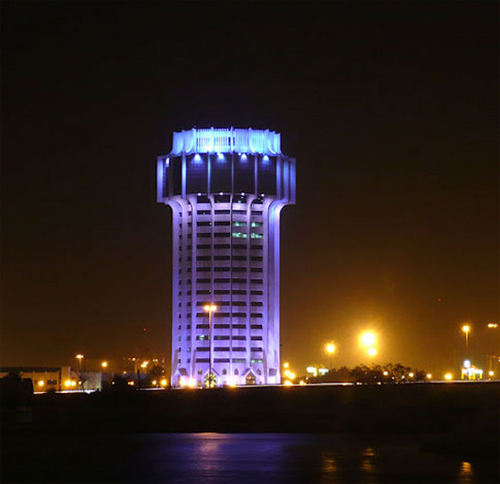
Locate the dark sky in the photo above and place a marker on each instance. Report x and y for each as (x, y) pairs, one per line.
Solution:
(390, 108)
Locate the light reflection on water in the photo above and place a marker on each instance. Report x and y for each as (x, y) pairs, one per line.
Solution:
(212, 458)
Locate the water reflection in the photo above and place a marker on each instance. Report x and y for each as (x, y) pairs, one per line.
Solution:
(368, 465)
(329, 468)
(466, 473)
(233, 459)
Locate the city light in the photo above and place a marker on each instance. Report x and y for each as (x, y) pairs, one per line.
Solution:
(41, 383)
(448, 376)
(67, 383)
(330, 348)
(428, 376)
(285, 365)
(372, 351)
(191, 383)
(104, 364)
(491, 373)
(466, 329)
(288, 383)
(163, 383)
(368, 338)
(492, 325)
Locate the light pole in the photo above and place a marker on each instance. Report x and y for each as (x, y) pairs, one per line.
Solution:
(491, 356)
(466, 329)
(210, 308)
(80, 358)
(330, 349)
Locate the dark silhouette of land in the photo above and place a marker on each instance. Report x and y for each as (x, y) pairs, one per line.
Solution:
(459, 418)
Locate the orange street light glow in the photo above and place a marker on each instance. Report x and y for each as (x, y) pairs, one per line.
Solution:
(368, 338)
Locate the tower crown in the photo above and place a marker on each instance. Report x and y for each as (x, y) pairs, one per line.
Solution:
(226, 140)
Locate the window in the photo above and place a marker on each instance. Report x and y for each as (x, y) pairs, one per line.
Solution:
(237, 360)
(203, 257)
(256, 293)
(221, 337)
(240, 212)
(202, 326)
(256, 236)
(222, 224)
(221, 234)
(221, 326)
(203, 281)
(221, 257)
(257, 360)
(241, 269)
(203, 348)
(239, 246)
(239, 257)
(239, 281)
(201, 337)
(203, 269)
(203, 212)
(224, 291)
(256, 269)
(239, 224)
(256, 315)
(256, 224)
(239, 349)
(221, 269)
(205, 235)
(256, 326)
(221, 281)
(221, 360)
(239, 235)
(222, 212)
(256, 281)
(237, 291)
(203, 224)
(221, 315)
(256, 303)
(199, 371)
(203, 291)
(203, 246)
(239, 338)
(221, 348)
(239, 303)
(202, 360)
(256, 338)
(256, 247)
(239, 315)
(256, 349)
(224, 371)
(239, 326)
(256, 258)
(222, 246)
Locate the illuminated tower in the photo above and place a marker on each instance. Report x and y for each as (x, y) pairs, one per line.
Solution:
(226, 189)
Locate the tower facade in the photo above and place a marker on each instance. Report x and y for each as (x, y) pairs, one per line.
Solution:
(226, 189)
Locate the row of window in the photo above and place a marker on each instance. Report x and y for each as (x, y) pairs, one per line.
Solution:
(218, 314)
(224, 269)
(228, 303)
(225, 257)
(226, 360)
(241, 292)
(224, 281)
(224, 246)
(225, 223)
(223, 348)
(236, 235)
(236, 337)
(227, 326)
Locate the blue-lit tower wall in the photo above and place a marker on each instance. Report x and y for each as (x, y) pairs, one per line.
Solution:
(226, 189)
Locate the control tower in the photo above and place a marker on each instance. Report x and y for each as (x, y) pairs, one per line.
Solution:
(226, 188)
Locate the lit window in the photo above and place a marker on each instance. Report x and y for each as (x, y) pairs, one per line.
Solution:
(255, 236)
(239, 235)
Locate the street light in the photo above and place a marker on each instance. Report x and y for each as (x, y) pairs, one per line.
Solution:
(372, 352)
(104, 364)
(466, 329)
(330, 349)
(368, 339)
(491, 356)
(210, 308)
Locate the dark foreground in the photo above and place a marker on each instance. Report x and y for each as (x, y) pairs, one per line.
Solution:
(403, 433)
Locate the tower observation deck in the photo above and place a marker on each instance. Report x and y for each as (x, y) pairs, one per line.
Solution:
(226, 189)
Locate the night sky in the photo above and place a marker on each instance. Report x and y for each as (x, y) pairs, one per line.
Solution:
(390, 108)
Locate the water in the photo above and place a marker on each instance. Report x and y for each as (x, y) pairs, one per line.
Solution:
(211, 458)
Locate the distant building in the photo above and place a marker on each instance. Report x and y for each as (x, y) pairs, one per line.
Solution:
(56, 378)
(226, 189)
